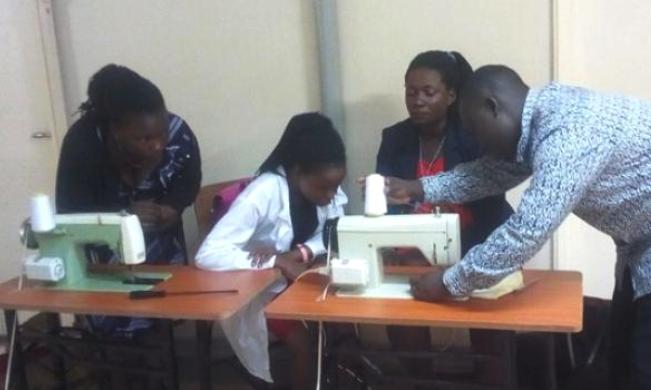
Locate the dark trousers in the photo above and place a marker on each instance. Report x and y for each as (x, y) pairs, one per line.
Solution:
(630, 350)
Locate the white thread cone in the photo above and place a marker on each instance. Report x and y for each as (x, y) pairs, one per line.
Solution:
(42, 214)
(375, 203)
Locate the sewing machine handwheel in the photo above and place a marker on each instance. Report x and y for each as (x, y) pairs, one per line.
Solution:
(26, 235)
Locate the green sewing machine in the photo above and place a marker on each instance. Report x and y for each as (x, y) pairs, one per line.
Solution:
(62, 242)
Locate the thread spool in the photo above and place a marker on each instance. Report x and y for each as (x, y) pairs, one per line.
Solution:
(375, 203)
(42, 219)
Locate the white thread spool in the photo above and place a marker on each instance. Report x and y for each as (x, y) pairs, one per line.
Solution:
(375, 203)
(42, 214)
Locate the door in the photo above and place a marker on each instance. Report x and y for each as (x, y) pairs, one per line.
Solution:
(28, 148)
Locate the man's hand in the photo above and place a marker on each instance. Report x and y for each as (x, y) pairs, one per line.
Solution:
(401, 191)
(430, 287)
(398, 191)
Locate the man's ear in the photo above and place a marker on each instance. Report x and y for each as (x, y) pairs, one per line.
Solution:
(491, 105)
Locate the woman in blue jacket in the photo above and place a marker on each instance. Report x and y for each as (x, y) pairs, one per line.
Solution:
(430, 141)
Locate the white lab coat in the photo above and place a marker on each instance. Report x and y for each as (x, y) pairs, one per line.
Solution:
(259, 217)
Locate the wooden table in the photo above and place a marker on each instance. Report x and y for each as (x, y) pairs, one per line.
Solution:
(207, 307)
(552, 303)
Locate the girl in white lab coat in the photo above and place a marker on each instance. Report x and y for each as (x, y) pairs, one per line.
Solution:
(277, 221)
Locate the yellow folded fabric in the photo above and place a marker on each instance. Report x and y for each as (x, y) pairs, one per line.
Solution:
(510, 283)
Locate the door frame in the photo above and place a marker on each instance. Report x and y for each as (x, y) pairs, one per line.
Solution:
(53, 70)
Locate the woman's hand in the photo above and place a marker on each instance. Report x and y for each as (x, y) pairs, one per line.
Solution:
(154, 216)
(147, 211)
(168, 216)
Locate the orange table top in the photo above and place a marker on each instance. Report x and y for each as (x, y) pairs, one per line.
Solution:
(553, 303)
(184, 278)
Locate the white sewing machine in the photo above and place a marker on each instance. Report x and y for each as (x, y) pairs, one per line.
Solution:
(359, 271)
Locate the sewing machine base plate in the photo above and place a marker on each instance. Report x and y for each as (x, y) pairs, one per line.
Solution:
(394, 287)
(398, 287)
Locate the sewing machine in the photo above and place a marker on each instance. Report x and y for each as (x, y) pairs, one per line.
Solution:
(359, 270)
(62, 259)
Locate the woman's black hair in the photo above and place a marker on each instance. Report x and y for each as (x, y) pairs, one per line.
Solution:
(309, 142)
(116, 92)
(451, 65)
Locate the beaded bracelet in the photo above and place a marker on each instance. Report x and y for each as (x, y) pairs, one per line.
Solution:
(305, 254)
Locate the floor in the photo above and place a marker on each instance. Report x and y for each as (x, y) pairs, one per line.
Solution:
(227, 374)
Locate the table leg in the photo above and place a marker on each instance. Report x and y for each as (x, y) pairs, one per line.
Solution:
(322, 366)
(15, 362)
(204, 341)
(511, 359)
(550, 362)
(53, 325)
(174, 374)
(570, 350)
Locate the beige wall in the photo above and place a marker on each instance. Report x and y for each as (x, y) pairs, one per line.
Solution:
(601, 45)
(235, 72)
(605, 45)
(380, 37)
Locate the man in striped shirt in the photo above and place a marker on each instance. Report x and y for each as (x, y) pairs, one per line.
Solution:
(586, 153)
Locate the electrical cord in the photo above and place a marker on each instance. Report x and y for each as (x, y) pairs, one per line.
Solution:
(325, 270)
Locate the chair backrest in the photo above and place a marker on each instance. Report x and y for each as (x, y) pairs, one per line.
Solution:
(204, 204)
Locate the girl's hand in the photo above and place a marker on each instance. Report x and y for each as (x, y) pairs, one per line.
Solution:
(291, 264)
(260, 256)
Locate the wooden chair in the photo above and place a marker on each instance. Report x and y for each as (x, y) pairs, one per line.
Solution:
(203, 205)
